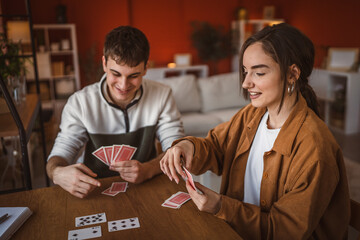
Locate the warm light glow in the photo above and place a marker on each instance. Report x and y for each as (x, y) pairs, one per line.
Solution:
(18, 31)
(275, 22)
(171, 65)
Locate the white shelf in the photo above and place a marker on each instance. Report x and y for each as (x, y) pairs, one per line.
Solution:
(56, 88)
(325, 84)
(160, 73)
(240, 33)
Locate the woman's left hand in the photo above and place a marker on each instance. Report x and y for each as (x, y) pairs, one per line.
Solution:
(209, 201)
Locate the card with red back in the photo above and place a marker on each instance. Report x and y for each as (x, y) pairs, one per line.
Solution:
(178, 198)
(109, 192)
(108, 153)
(126, 153)
(118, 187)
(100, 154)
(116, 150)
(191, 180)
(169, 205)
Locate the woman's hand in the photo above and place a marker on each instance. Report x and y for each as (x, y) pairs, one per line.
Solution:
(209, 201)
(176, 156)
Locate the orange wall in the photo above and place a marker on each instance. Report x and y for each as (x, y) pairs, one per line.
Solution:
(167, 22)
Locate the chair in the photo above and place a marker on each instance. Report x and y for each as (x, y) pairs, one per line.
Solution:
(355, 215)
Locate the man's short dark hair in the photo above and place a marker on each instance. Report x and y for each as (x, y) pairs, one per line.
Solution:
(127, 45)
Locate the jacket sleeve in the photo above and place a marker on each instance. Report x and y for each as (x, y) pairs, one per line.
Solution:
(296, 214)
(72, 135)
(169, 127)
(211, 152)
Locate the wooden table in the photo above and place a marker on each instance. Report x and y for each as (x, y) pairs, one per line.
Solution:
(55, 210)
(28, 111)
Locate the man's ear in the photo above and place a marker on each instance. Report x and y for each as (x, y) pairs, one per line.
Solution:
(104, 63)
(146, 68)
(293, 73)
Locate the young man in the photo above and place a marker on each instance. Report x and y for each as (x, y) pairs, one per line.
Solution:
(120, 109)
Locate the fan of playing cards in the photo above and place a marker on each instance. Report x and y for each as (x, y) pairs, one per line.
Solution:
(114, 153)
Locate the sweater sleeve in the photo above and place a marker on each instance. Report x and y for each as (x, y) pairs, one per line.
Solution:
(72, 135)
(169, 127)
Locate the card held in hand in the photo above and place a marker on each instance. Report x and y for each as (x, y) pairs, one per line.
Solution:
(100, 154)
(191, 180)
(126, 153)
(85, 233)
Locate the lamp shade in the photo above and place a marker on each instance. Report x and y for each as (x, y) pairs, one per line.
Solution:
(18, 31)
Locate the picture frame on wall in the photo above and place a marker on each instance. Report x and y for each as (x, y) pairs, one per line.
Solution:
(269, 12)
(182, 59)
(342, 59)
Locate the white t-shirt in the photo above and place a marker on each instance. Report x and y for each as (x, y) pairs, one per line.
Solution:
(263, 142)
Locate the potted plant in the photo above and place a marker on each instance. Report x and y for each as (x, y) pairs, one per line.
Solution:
(12, 68)
(212, 43)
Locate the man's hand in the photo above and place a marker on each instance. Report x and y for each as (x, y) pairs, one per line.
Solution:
(136, 172)
(77, 179)
(132, 171)
(209, 201)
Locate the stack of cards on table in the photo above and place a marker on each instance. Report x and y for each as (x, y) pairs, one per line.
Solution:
(94, 232)
(115, 188)
(176, 200)
(114, 153)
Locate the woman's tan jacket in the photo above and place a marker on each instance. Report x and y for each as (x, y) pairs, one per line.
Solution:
(304, 191)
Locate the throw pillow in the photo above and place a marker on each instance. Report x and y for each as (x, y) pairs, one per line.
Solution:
(185, 92)
(221, 91)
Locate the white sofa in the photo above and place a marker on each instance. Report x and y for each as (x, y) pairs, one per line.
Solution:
(206, 102)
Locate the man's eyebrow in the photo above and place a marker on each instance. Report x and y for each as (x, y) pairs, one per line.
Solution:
(113, 70)
(135, 73)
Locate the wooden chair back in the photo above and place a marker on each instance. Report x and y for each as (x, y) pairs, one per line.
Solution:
(355, 215)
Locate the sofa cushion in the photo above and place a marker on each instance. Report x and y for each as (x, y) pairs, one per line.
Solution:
(221, 91)
(185, 92)
(223, 114)
(198, 124)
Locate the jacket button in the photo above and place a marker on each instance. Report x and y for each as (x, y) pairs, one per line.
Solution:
(266, 175)
(263, 203)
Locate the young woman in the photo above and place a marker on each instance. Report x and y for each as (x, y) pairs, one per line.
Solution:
(283, 175)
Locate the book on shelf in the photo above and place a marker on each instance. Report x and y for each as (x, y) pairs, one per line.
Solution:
(14, 218)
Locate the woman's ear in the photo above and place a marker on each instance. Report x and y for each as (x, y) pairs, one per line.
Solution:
(293, 73)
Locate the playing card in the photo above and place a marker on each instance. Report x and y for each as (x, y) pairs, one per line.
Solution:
(118, 187)
(178, 198)
(116, 150)
(126, 153)
(90, 219)
(85, 233)
(169, 205)
(109, 192)
(191, 180)
(108, 154)
(100, 154)
(123, 224)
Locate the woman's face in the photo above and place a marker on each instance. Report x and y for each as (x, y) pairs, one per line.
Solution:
(262, 78)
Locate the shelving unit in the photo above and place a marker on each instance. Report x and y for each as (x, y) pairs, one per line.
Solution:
(338, 94)
(58, 65)
(164, 72)
(242, 30)
(23, 116)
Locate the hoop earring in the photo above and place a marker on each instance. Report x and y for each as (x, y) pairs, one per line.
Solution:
(291, 88)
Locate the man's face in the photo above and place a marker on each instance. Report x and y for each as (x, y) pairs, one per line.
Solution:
(122, 81)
